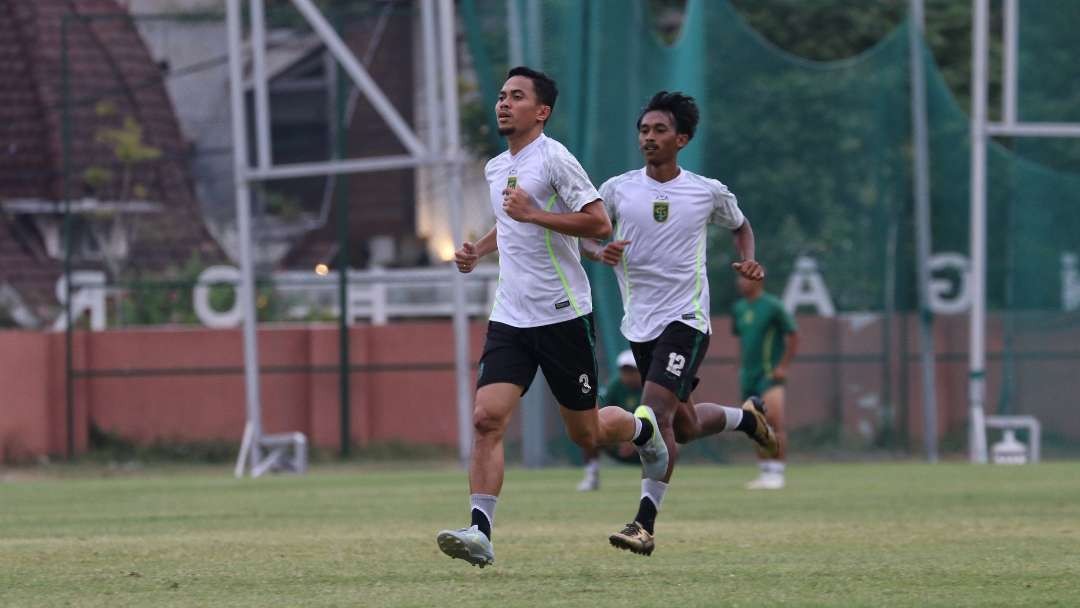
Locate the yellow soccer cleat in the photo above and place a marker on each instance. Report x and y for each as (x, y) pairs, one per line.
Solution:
(763, 435)
(633, 538)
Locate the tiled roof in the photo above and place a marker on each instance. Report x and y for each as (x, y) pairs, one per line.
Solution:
(25, 157)
(108, 62)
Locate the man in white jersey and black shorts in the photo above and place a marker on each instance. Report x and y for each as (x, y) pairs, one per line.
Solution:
(543, 201)
(661, 214)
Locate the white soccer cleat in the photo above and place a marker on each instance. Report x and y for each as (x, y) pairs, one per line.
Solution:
(654, 454)
(469, 544)
(767, 481)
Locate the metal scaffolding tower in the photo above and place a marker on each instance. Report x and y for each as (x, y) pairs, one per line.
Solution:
(260, 452)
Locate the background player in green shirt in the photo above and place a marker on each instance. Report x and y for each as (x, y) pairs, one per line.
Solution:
(768, 339)
(624, 390)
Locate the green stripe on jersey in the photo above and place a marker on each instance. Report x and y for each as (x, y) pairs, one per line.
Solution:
(555, 262)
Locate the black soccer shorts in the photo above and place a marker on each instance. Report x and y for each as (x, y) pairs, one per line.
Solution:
(564, 351)
(672, 359)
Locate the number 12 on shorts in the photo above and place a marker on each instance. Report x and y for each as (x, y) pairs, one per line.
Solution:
(676, 363)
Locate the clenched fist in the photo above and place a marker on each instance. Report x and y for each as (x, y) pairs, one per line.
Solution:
(750, 269)
(613, 252)
(518, 204)
(466, 257)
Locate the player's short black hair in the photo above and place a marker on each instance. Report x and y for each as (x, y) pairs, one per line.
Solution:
(546, 89)
(682, 107)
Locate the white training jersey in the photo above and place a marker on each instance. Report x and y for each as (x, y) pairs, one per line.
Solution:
(541, 280)
(662, 274)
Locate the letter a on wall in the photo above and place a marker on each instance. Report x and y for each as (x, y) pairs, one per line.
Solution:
(806, 287)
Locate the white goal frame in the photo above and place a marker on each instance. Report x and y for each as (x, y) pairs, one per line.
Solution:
(981, 130)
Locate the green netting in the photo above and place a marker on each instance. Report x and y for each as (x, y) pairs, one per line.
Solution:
(814, 151)
(820, 157)
(1049, 78)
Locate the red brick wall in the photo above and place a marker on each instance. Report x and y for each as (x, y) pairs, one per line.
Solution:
(186, 384)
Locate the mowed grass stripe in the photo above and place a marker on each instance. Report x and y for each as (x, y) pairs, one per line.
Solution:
(890, 534)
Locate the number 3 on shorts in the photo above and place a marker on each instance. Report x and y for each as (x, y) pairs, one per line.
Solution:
(676, 363)
(583, 379)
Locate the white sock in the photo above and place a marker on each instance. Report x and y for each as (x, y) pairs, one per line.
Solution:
(592, 467)
(733, 416)
(486, 504)
(775, 467)
(654, 490)
(637, 428)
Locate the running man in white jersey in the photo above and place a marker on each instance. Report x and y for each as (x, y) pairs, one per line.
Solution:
(661, 214)
(543, 201)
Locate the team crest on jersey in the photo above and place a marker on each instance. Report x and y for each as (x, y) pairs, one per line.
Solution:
(660, 211)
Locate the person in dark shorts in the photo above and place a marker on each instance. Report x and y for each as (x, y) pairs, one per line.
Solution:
(661, 213)
(543, 201)
(768, 338)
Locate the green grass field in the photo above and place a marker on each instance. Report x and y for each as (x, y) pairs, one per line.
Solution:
(840, 535)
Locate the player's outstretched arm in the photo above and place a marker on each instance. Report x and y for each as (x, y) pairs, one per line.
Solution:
(591, 222)
(744, 244)
(470, 253)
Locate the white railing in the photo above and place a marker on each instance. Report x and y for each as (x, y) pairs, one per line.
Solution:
(381, 294)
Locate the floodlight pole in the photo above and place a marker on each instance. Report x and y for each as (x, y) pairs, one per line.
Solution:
(977, 336)
(264, 156)
(437, 23)
(246, 294)
(534, 20)
(453, 153)
(432, 89)
(514, 43)
(1012, 27)
(922, 229)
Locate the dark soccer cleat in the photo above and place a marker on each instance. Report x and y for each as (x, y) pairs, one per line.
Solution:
(633, 538)
(768, 446)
